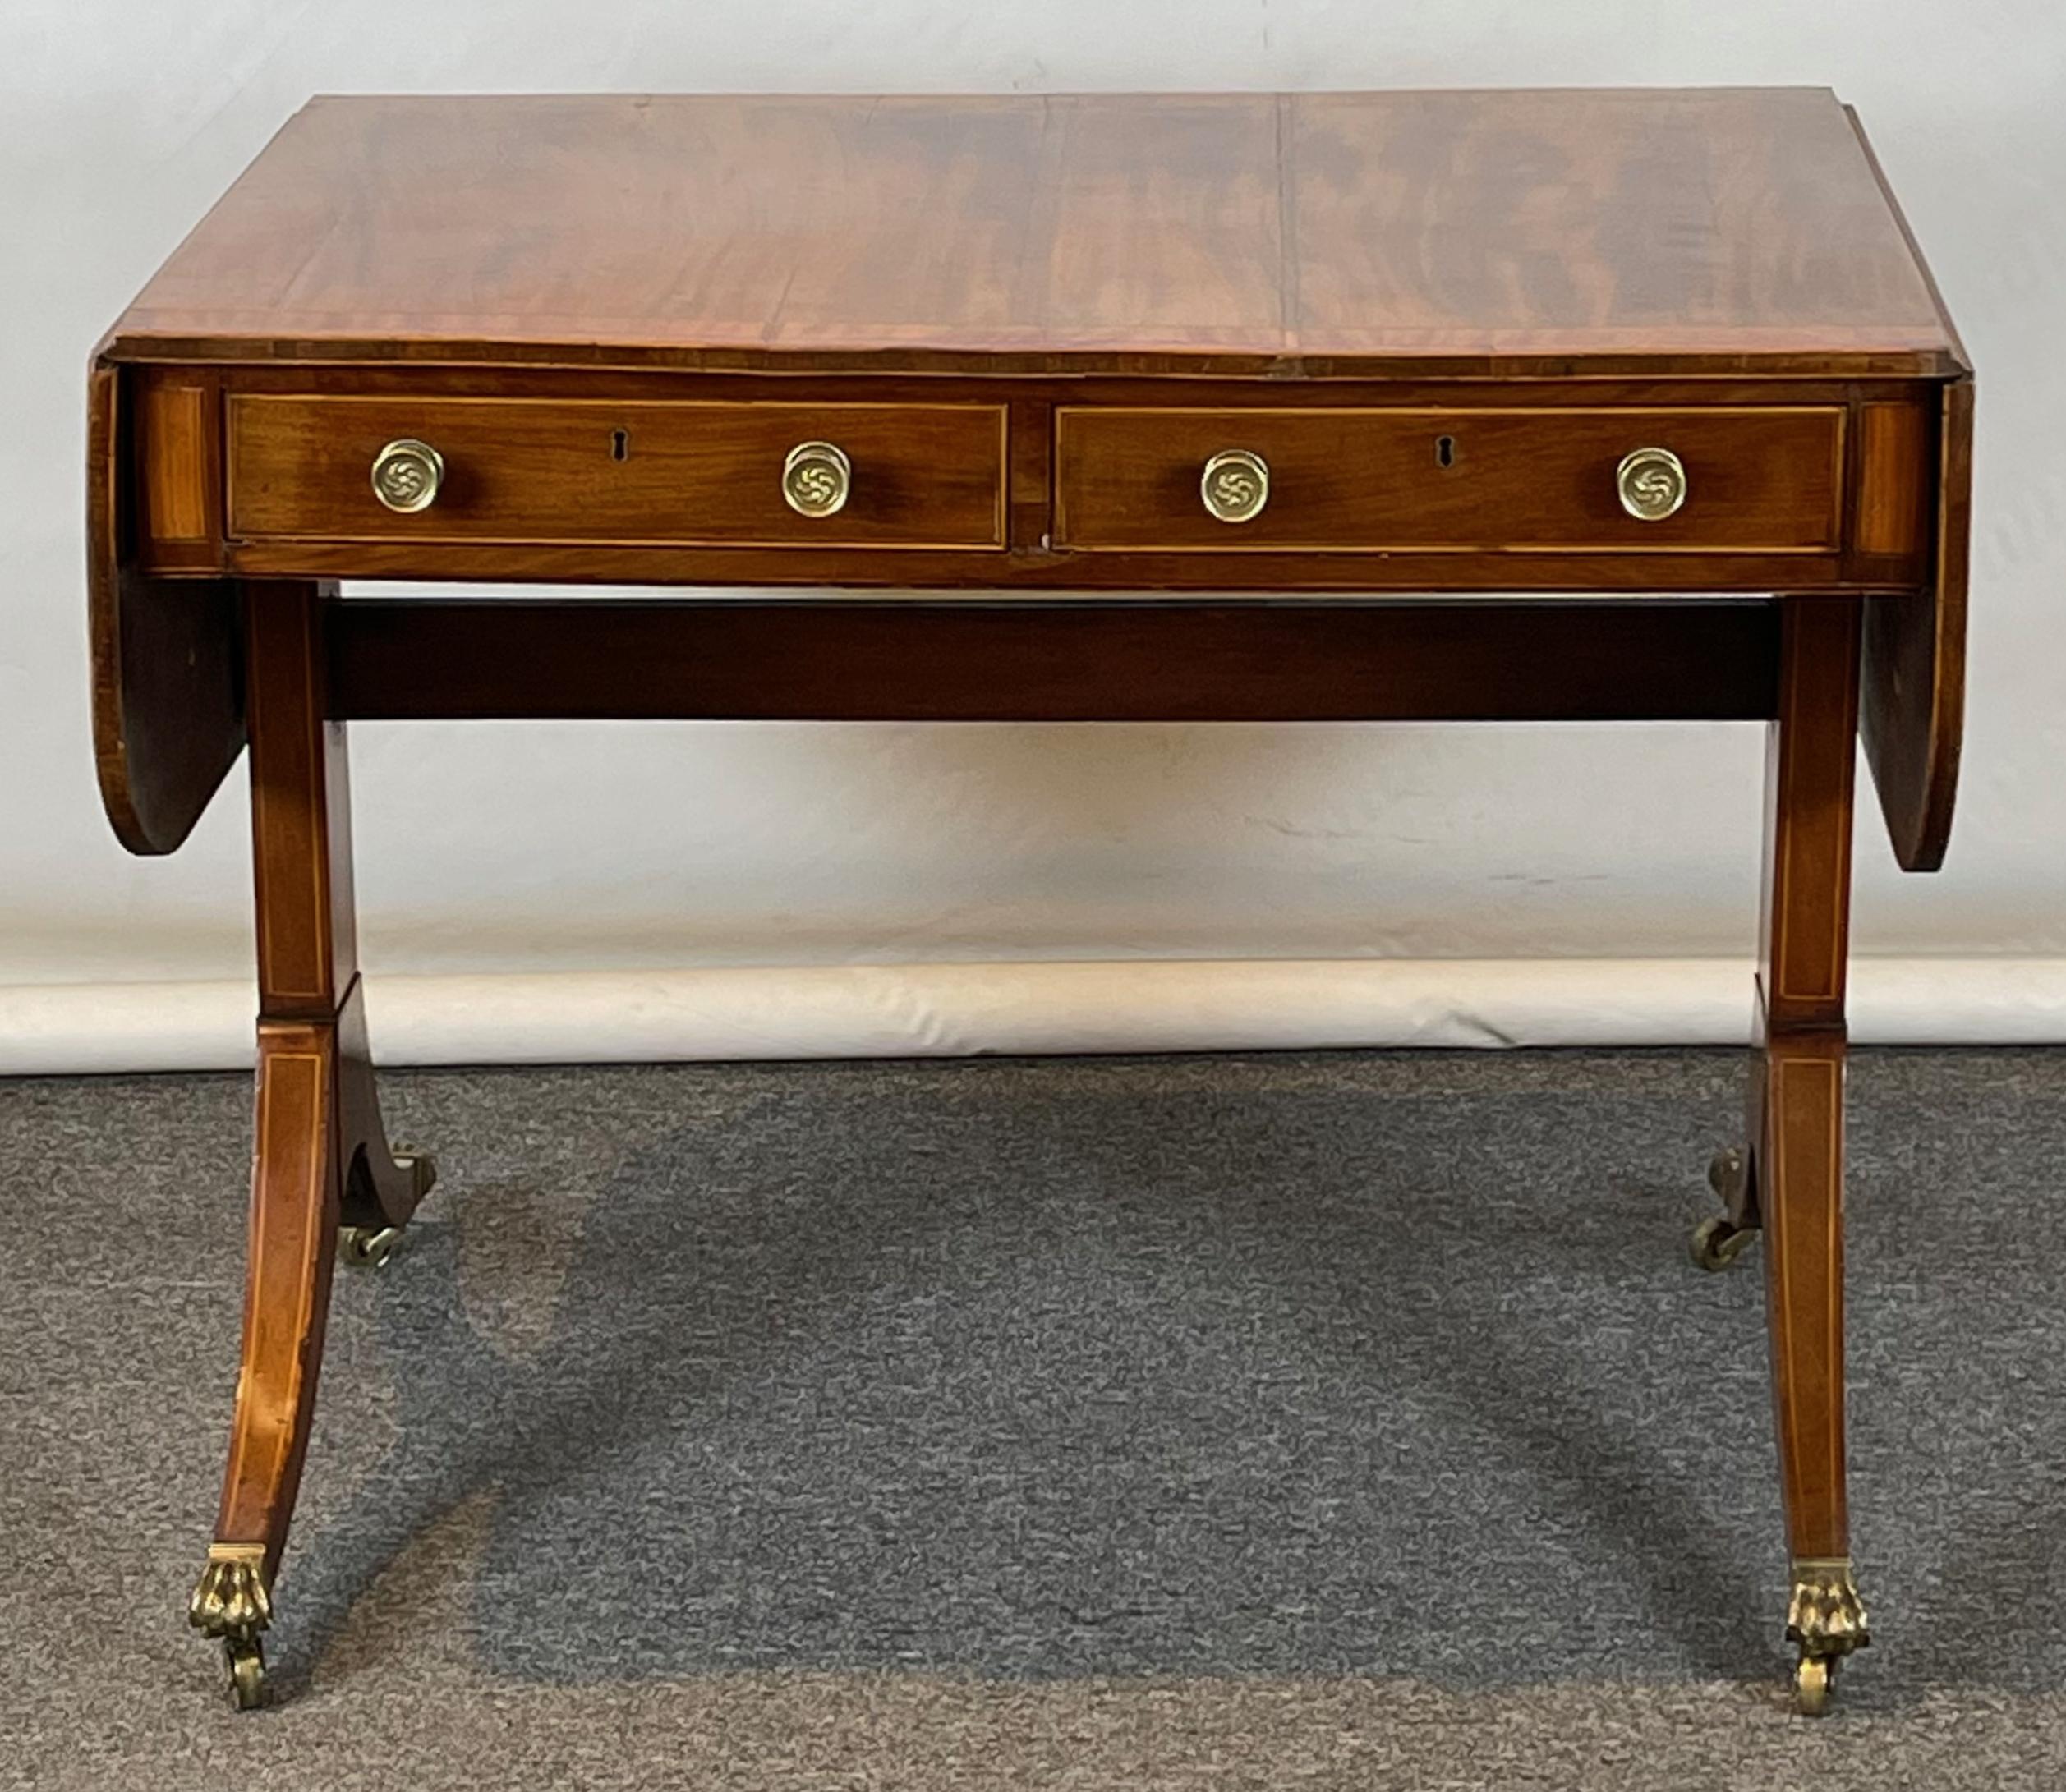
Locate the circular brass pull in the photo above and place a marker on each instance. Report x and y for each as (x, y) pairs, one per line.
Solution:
(816, 478)
(1235, 485)
(407, 475)
(1652, 482)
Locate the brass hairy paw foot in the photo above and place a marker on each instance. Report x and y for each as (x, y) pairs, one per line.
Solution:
(231, 1601)
(1718, 1242)
(1827, 1620)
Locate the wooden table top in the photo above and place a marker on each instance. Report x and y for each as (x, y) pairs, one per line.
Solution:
(1500, 232)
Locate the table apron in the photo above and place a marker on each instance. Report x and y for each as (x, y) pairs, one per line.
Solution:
(910, 661)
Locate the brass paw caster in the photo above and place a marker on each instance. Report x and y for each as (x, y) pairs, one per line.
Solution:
(246, 1664)
(1826, 1620)
(1717, 1243)
(231, 1601)
(1815, 1680)
(367, 1248)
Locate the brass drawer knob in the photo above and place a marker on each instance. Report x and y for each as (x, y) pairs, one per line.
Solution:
(1652, 482)
(816, 477)
(1235, 485)
(407, 475)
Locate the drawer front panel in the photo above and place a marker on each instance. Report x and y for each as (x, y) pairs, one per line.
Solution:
(666, 471)
(1767, 480)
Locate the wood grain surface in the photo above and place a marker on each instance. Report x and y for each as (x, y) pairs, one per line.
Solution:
(167, 654)
(531, 470)
(1760, 480)
(1729, 229)
(1506, 257)
(1797, 1087)
(1914, 718)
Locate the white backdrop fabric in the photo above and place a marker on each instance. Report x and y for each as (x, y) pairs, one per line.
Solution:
(550, 852)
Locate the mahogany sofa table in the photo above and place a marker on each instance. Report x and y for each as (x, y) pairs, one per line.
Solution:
(1524, 405)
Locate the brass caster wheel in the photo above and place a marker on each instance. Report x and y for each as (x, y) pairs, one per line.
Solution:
(1815, 1679)
(1717, 1244)
(367, 1248)
(246, 1664)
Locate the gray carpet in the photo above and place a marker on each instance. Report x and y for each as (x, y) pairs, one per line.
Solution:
(1344, 1420)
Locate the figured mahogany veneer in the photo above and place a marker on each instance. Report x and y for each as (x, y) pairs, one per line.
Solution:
(1395, 479)
(1517, 233)
(528, 471)
(1027, 324)
(1409, 480)
(1103, 278)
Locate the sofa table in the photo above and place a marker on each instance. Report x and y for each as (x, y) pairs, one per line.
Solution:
(1531, 405)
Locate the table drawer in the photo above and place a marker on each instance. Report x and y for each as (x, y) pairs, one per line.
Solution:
(664, 472)
(1767, 480)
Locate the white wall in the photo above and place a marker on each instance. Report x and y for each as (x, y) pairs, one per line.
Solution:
(508, 847)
